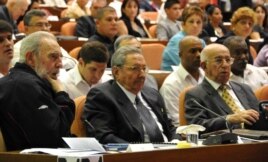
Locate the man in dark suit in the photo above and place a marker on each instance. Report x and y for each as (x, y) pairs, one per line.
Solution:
(228, 7)
(216, 62)
(113, 110)
(12, 11)
(86, 25)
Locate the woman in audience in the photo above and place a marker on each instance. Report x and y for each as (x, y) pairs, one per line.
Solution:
(192, 22)
(242, 22)
(260, 29)
(129, 23)
(214, 27)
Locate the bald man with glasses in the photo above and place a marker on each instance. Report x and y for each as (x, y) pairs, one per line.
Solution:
(233, 102)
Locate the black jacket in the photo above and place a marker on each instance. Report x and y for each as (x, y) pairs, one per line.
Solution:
(31, 113)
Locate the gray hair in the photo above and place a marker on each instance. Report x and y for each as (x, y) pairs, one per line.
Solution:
(232, 41)
(121, 39)
(32, 43)
(119, 57)
(30, 14)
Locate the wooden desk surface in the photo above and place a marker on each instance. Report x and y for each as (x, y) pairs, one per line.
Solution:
(255, 152)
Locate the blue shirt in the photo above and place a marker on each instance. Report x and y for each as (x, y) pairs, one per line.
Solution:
(171, 52)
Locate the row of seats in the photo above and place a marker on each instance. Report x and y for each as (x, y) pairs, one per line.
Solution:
(151, 52)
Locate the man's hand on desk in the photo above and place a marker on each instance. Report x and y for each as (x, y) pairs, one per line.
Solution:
(247, 116)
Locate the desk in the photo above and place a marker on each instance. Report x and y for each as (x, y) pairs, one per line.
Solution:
(222, 153)
(68, 45)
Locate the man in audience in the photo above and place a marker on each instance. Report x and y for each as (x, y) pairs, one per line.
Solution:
(235, 103)
(124, 110)
(106, 25)
(34, 109)
(12, 11)
(6, 47)
(242, 71)
(169, 26)
(77, 9)
(92, 61)
(130, 40)
(36, 20)
(187, 74)
(86, 26)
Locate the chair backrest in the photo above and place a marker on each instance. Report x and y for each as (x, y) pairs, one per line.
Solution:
(262, 93)
(253, 52)
(78, 127)
(63, 13)
(2, 143)
(149, 15)
(68, 28)
(153, 55)
(152, 31)
(182, 119)
(74, 52)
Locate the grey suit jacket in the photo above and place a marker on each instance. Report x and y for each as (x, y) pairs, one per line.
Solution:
(208, 97)
(114, 117)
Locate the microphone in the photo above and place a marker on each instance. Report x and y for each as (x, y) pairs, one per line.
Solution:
(228, 125)
(91, 130)
(223, 138)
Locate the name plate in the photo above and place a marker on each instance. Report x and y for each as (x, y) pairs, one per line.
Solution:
(140, 147)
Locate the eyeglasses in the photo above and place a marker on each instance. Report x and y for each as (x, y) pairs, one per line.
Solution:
(219, 60)
(137, 69)
(40, 25)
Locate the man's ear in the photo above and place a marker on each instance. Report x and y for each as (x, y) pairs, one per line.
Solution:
(203, 65)
(30, 59)
(81, 61)
(115, 71)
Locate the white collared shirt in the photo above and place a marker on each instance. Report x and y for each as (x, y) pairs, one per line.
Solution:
(75, 85)
(253, 76)
(173, 86)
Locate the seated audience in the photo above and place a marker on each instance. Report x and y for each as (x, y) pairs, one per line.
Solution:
(6, 47)
(12, 11)
(92, 61)
(243, 72)
(169, 26)
(187, 74)
(106, 31)
(234, 102)
(124, 110)
(192, 23)
(55, 3)
(214, 27)
(228, 7)
(34, 109)
(85, 25)
(260, 29)
(242, 23)
(36, 20)
(129, 23)
(130, 40)
(77, 9)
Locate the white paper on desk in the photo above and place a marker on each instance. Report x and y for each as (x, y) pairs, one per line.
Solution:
(60, 151)
(84, 144)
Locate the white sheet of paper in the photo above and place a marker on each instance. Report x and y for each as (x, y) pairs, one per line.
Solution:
(84, 143)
